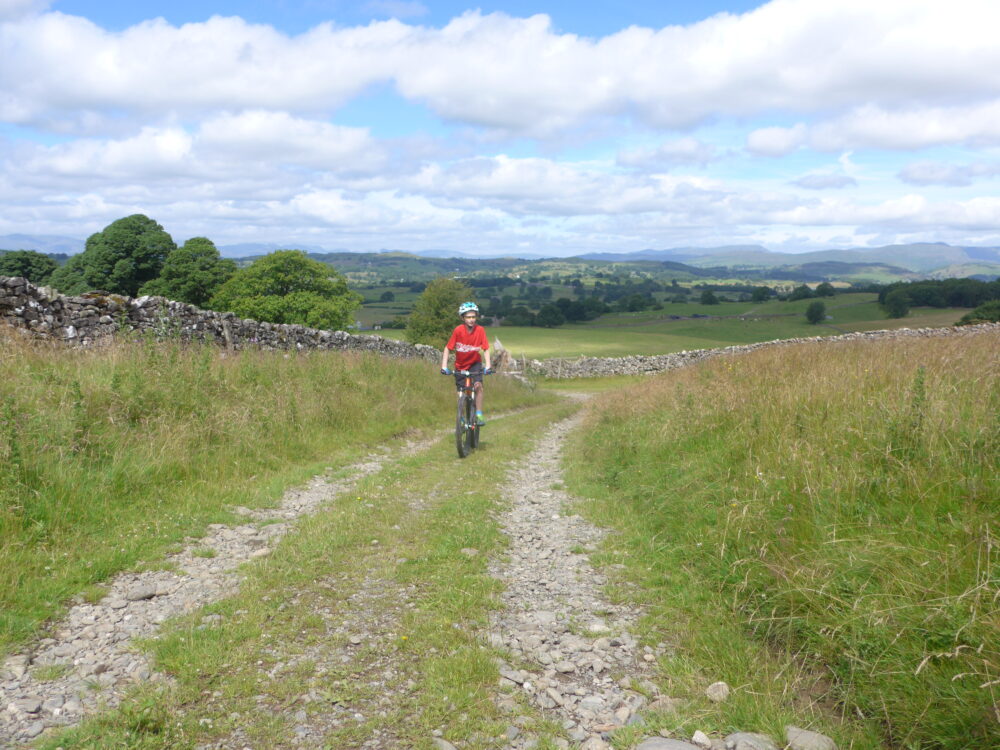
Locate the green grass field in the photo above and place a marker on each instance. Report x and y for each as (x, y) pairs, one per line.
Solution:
(652, 332)
(732, 323)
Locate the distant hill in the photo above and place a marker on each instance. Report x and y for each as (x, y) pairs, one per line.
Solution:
(917, 257)
(43, 243)
(748, 262)
(256, 249)
(679, 254)
(982, 271)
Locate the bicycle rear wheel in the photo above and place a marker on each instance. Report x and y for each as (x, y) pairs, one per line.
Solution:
(460, 427)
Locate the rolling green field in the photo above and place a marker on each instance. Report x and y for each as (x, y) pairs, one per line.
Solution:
(622, 334)
(730, 324)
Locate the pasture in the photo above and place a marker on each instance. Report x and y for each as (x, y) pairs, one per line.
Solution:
(731, 323)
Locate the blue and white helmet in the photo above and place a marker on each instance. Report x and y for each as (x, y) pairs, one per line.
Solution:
(467, 307)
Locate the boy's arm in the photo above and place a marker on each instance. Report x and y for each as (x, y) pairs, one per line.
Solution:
(485, 350)
(444, 359)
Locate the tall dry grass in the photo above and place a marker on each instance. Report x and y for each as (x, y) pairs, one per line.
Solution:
(110, 455)
(841, 502)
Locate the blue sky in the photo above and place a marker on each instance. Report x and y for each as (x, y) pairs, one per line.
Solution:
(510, 127)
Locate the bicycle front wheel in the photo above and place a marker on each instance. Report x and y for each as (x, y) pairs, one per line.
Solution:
(472, 440)
(461, 430)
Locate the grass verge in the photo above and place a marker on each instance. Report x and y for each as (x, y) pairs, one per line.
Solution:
(816, 526)
(112, 456)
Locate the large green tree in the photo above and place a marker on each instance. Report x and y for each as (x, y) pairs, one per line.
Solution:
(121, 258)
(32, 265)
(287, 286)
(192, 273)
(549, 316)
(816, 312)
(435, 313)
(800, 292)
(897, 303)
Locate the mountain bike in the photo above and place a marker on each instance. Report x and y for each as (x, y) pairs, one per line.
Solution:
(466, 429)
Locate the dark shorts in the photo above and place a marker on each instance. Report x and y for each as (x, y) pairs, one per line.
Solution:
(476, 374)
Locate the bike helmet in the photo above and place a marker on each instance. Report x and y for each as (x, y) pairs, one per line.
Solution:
(467, 307)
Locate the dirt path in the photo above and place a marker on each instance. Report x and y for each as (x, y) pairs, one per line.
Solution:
(569, 660)
(571, 651)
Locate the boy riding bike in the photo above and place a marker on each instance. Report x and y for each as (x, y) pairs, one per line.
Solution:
(467, 341)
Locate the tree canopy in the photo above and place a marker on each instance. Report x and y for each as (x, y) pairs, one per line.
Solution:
(287, 286)
(897, 303)
(549, 316)
(988, 312)
(121, 258)
(192, 273)
(435, 313)
(816, 312)
(32, 265)
(800, 292)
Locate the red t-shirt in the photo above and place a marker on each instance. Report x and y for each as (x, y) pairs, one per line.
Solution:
(466, 345)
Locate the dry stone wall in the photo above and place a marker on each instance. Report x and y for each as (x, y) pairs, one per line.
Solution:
(88, 318)
(589, 367)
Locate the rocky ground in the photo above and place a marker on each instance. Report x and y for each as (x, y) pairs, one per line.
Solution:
(566, 642)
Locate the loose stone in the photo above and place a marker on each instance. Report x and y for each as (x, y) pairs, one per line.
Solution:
(750, 741)
(139, 593)
(665, 743)
(717, 692)
(701, 739)
(804, 739)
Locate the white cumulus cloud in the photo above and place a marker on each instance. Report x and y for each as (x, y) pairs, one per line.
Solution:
(954, 175)
(825, 181)
(519, 74)
(681, 152)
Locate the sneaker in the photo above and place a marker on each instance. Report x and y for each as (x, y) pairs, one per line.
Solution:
(480, 419)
